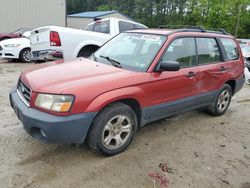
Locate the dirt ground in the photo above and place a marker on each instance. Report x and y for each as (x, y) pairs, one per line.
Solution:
(200, 150)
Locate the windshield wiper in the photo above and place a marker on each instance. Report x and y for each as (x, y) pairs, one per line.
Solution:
(95, 58)
(112, 61)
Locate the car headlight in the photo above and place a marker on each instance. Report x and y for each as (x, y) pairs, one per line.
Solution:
(56, 103)
(11, 45)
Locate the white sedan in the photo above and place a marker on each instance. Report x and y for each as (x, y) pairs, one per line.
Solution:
(18, 48)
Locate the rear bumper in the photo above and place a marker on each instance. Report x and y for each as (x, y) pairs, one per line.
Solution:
(50, 128)
(46, 55)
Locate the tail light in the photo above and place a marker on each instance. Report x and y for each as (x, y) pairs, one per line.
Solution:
(55, 39)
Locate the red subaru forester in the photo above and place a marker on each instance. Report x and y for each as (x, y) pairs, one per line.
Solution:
(135, 78)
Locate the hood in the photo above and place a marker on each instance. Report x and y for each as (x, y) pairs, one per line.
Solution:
(62, 77)
(15, 41)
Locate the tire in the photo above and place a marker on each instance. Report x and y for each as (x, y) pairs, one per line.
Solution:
(113, 129)
(25, 55)
(222, 101)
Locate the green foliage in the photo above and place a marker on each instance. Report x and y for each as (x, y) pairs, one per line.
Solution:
(232, 15)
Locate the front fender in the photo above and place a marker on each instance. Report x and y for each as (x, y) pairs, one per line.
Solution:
(104, 99)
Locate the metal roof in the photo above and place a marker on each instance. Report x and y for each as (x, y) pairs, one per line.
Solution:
(92, 14)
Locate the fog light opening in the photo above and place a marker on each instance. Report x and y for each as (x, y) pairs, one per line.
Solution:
(38, 134)
(43, 133)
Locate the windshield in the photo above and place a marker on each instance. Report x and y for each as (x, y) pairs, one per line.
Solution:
(132, 51)
(21, 31)
(17, 31)
(246, 50)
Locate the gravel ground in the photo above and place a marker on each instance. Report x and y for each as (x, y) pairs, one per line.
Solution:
(200, 150)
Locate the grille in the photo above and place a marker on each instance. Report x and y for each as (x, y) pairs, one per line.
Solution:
(1, 48)
(24, 92)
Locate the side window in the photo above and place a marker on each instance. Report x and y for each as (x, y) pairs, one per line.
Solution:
(102, 27)
(181, 50)
(208, 51)
(230, 48)
(125, 26)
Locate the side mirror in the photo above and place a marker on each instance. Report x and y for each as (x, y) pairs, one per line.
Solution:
(168, 66)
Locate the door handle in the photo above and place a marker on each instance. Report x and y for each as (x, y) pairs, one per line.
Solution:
(222, 68)
(191, 74)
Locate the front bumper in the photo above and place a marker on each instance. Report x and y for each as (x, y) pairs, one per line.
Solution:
(46, 55)
(51, 128)
(10, 53)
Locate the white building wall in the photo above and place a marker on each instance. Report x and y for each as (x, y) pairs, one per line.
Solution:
(15, 14)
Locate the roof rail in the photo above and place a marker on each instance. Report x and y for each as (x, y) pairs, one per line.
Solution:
(188, 28)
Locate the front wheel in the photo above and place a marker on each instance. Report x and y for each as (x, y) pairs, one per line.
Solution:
(25, 55)
(113, 129)
(222, 101)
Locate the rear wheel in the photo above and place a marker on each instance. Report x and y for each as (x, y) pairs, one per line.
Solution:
(113, 129)
(25, 55)
(222, 101)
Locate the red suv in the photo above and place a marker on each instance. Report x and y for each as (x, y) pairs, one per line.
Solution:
(135, 78)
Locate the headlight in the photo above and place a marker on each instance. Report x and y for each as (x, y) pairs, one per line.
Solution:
(11, 45)
(56, 103)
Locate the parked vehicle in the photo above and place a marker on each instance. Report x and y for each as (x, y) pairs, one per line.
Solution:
(135, 78)
(16, 34)
(244, 42)
(247, 70)
(51, 43)
(18, 48)
(246, 54)
(246, 51)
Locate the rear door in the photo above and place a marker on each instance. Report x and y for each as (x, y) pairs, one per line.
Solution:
(214, 70)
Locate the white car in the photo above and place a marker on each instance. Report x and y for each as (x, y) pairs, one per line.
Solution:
(246, 53)
(18, 48)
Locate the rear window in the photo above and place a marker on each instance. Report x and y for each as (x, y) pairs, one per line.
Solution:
(230, 48)
(100, 27)
(125, 26)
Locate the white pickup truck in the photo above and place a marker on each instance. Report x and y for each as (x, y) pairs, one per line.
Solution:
(52, 42)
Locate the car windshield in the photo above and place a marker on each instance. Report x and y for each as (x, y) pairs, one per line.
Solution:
(246, 50)
(132, 51)
(17, 31)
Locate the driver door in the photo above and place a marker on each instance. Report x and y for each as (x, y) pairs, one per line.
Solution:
(178, 89)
